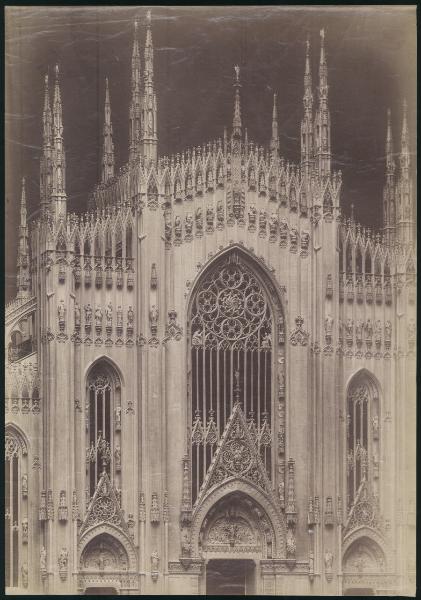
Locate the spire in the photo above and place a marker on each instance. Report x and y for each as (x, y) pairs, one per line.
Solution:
(307, 122)
(390, 161)
(46, 115)
(274, 142)
(149, 111)
(404, 158)
(58, 196)
(108, 146)
(236, 122)
(322, 120)
(47, 139)
(136, 101)
(57, 113)
(23, 281)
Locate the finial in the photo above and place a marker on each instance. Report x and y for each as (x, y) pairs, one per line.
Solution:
(307, 47)
(148, 17)
(322, 35)
(57, 71)
(136, 26)
(352, 211)
(237, 74)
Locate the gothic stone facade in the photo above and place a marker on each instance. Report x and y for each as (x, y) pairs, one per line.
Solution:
(211, 363)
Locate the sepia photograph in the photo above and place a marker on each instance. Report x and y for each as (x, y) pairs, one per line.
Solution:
(210, 287)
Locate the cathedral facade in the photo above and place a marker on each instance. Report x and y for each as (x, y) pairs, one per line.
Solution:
(210, 379)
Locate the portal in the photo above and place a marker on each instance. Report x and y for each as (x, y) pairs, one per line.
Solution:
(101, 591)
(230, 577)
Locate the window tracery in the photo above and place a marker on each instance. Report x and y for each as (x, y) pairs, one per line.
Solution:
(232, 337)
(16, 522)
(363, 424)
(103, 431)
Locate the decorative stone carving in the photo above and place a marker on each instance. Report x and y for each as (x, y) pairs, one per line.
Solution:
(61, 310)
(299, 336)
(50, 506)
(262, 224)
(273, 227)
(24, 531)
(178, 231)
(43, 563)
(130, 525)
(62, 507)
(153, 319)
(291, 545)
(328, 519)
(24, 574)
(311, 565)
(43, 506)
(291, 509)
(378, 333)
(188, 227)
(63, 560)
(172, 329)
(24, 485)
(329, 286)
(165, 508)
(77, 316)
(305, 238)
(154, 513)
(328, 329)
(293, 236)
(209, 219)
(154, 565)
(328, 559)
(117, 458)
(75, 507)
(154, 277)
(387, 334)
(88, 317)
(142, 508)
(283, 233)
(199, 222)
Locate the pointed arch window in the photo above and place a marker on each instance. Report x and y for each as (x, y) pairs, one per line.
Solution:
(232, 337)
(16, 486)
(103, 425)
(363, 433)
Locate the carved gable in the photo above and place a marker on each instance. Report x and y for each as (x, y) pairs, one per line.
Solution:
(104, 507)
(364, 511)
(237, 456)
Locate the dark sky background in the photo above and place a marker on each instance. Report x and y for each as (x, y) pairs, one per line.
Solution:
(371, 55)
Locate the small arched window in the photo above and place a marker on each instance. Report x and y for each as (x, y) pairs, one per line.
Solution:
(363, 432)
(104, 407)
(16, 488)
(108, 243)
(87, 248)
(359, 261)
(119, 242)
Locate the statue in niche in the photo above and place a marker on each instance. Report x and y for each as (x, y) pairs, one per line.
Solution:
(328, 325)
(98, 316)
(359, 330)
(61, 313)
(88, 314)
(109, 315)
(130, 317)
(388, 331)
(119, 317)
(189, 223)
(77, 316)
(328, 561)
(369, 330)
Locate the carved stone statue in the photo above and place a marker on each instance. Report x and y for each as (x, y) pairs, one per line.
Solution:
(61, 313)
(118, 417)
(153, 318)
(98, 316)
(177, 227)
(388, 331)
(130, 317)
(88, 314)
(328, 325)
(154, 561)
(77, 315)
(199, 218)
(43, 559)
(24, 574)
(117, 456)
(197, 339)
(378, 331)
(119, 317)
(109, 315)
(209, 217)
(328, 561)
(24, 485)
(189, 223)
(359, 330)
(220, 210)
(349, 328)
(369, 330)
(63, 559)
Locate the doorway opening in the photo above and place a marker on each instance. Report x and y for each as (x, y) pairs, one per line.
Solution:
(359, 592)
(101, 591)
(230, 577)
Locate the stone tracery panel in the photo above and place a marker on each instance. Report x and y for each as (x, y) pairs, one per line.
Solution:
(232, 342)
